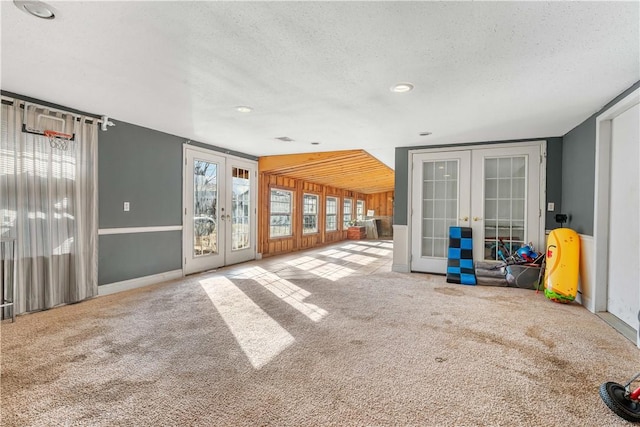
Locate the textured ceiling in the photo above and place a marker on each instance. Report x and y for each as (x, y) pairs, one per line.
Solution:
(321, 71)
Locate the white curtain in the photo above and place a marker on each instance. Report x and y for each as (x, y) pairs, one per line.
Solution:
(48, 203)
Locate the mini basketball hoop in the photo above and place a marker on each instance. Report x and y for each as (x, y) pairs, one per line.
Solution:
(58, 140)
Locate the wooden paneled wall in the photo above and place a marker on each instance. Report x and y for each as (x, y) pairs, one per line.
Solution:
(382, 204)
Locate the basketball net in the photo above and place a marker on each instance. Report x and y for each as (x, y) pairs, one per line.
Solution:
(58, 140)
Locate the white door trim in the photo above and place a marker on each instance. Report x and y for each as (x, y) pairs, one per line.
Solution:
(601, 200)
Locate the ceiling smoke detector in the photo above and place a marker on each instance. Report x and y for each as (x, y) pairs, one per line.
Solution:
(402, 87)
(35, 8)
(425, 133)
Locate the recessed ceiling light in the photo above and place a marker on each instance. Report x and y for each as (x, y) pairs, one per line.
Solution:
(425, 133)
(243, 109)
(401, 87)
(35, 8)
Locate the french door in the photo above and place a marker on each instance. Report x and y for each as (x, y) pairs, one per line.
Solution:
(495, 191)
(219, 212)
(440, 199)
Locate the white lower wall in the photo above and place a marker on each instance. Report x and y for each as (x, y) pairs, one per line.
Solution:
(401, 250)
(586, 284)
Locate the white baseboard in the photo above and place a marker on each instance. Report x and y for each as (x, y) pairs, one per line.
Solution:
(138, 282)
(401, 251)
(400, 268)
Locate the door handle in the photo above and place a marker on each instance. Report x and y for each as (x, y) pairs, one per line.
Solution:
(466, 218)
(477, 218)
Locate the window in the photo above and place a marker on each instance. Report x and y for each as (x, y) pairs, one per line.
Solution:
(346, 212)
(332, 214)
(310, 214)
(360, 210)
(281, 208)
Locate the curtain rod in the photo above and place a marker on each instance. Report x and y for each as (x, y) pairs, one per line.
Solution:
(10, 98)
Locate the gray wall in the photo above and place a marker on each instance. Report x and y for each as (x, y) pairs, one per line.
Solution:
(578, 170)
(128, 256)
(143, 167)
(554, 177)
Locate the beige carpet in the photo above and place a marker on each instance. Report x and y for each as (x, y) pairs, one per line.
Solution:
(327, 337)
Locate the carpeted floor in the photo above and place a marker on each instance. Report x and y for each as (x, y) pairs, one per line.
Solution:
(324, 337)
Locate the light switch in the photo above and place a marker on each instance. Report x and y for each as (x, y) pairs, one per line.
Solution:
(551, 206)
(126, 206)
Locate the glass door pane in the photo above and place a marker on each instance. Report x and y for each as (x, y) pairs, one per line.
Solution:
(203, 230)
(439, 205)
(240, 209)
(205, 205)
(505, 200)
(239, 212)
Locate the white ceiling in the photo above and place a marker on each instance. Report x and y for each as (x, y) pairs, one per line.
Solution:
(321, 71)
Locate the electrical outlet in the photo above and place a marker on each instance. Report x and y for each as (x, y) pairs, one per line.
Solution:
(126, 206)
(551, 206)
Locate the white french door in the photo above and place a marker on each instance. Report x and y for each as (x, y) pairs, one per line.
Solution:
(240, 217)
(219, 212)
(495, 191)
(506, 209)
(441, 198)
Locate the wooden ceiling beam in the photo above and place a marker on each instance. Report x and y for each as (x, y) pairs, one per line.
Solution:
(354, 170)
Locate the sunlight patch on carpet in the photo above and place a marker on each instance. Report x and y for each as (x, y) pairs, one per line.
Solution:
(260, 337)
(332, 272)
(378, 251)
(354, 247)
(306, 263)
(289, 293)
(348, 256)
(360, 259)
(326, 270)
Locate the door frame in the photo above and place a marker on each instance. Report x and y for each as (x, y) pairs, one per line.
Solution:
(542, 143)
(601, 202)
(228, 158)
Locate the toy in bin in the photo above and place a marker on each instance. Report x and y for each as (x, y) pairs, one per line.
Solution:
(562, 262)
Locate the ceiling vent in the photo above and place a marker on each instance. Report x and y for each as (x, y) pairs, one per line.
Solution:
(285, 139)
